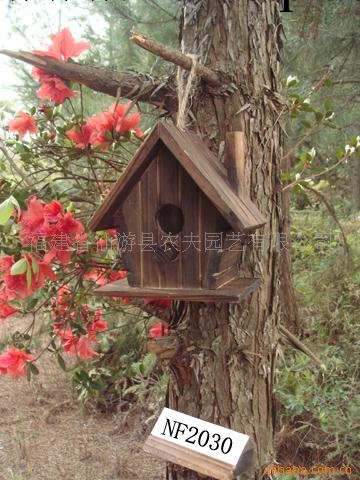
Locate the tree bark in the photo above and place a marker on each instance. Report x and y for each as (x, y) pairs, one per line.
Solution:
(225, 369)
(134, 86)
(354, 171)
(289, 312)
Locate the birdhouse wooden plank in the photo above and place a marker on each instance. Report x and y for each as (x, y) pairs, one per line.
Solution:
(234, 292)
(176, 201)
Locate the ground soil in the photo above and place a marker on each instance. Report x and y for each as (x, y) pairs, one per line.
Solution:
(45, 434)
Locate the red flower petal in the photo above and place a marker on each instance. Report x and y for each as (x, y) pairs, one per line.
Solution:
(22, 125)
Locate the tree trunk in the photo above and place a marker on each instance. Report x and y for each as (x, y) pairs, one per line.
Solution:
(224, 373)
(355, 182)
(289, 313)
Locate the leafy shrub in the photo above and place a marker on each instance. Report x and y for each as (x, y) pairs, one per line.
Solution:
(325, 400)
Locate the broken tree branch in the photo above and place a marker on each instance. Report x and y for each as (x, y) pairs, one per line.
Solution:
(295, 342)
(133, 86)
(176, 57)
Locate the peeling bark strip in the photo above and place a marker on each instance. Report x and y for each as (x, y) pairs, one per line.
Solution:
(132, 86)
(223, 371)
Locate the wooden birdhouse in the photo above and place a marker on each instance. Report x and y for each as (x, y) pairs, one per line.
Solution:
(180, 223)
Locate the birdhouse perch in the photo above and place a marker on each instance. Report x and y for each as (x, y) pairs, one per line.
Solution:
(184, 212)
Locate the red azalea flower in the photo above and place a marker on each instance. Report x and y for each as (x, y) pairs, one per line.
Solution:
(32, 221)
(13, 285)
(83, 348)
(41, 221)
(6, 262)
(117, 275)
(129, 122)
(114, 120)
(53, 88)
(16, 286)
(5, 309)
(100, 245)
(60, 304)
(97, 275)
(77, 346)
(74, 345)
(102, 276)
(64, 46)
(96, 326)
(22, 125)
(102, 126)
(69, 225)
(158, 330)
(158, 302)
(81, 136)
(40, 74)
(13, 362)
(53, 211)
(45, 271)
(123, 122)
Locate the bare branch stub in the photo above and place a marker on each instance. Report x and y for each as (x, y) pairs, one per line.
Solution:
(133, 86)
(174, 56)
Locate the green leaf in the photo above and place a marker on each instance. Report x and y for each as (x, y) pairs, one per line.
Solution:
(291, 81)
(70, 207)
(297, 189)
(328, 105)
(19, 267)
(28, 274)
(148, 364)
(286, 177)
(306, 107)
(34, 369)
(28, 372)
(331, 124)
(6, 210)
(35, 267)
(61, 362)
(353, 141)
(32, 304)
(339, 152)
(15, 204)
(96, 385)
(306, 123)
(319, 116)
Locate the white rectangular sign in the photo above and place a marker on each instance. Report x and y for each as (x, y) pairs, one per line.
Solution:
(203, 437)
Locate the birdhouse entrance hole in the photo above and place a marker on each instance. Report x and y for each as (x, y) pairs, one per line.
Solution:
(170, 218)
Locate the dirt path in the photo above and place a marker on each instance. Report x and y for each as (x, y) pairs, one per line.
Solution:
(46, 435)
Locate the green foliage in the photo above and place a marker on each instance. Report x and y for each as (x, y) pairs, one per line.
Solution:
(325, 400)
(7, 209)
(122, 374)
(322, 65)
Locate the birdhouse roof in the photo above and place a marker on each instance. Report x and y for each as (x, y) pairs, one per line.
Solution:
(202, 166)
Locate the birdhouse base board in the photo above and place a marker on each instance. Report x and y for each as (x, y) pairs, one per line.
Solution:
(185, 457)
(233, 292)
